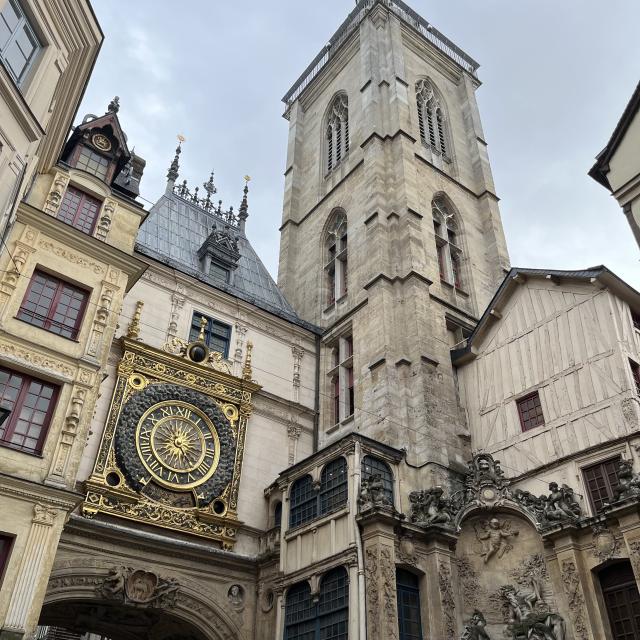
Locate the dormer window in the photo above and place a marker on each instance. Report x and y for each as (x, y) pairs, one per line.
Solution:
(92, 162)
(219, 273)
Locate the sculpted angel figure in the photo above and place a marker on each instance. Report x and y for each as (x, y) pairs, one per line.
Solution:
(495, 538)
(114, 583)
(372, 491)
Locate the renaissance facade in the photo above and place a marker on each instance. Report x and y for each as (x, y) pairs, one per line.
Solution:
(404, 438)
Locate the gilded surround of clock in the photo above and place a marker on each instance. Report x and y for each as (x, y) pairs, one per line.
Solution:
(178, 439)
(172, 448)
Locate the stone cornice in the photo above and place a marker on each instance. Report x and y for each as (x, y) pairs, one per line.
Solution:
(348, 557)
(36, 492)
(279, 409)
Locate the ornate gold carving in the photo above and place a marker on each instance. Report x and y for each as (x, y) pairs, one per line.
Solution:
(133, 332)
(142, 370)
(247, 373)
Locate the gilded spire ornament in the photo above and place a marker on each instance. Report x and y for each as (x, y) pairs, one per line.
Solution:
(133, 332)
(203, 328)
(247, 372)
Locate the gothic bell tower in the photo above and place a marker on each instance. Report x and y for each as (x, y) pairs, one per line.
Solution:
(391, 233)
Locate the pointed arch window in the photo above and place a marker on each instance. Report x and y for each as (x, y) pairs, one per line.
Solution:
(336, 252)
(446, 231)
(337, 132)
(432, 120)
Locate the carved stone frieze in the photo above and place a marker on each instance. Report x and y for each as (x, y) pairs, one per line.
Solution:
(388, 571)
(35, 360)
(138, 587)
(634, 557)
(372, 592)
(472, 591)
(70, 256)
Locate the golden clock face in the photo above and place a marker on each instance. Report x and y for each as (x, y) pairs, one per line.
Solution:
(178, 445)
(101, 142)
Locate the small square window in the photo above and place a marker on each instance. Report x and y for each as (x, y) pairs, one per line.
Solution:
(217, 335)
(530, 411)
(53, 305)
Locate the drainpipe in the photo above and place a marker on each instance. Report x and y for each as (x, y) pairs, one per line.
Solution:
(362, 612)
(316, 402)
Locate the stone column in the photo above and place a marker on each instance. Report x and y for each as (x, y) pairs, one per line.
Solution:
(30, 574)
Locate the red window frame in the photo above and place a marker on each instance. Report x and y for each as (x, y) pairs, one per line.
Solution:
(59, 308)
(635, 372)
(83, 214)
(29, 419)
(601, 480)
(530, 411)
(6, 544)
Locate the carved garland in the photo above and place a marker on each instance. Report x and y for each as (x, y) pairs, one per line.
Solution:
(575, 597)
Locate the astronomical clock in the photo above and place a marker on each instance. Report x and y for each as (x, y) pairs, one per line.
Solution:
(171, 452)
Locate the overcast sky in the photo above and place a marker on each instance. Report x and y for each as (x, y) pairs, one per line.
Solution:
(556, 76)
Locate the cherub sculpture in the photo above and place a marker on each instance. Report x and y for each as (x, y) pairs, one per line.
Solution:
(372, 492)
(495, 537)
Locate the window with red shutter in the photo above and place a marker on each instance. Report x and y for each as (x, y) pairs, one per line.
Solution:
(601, 480)
(53, 305)
(79, 209)
(27, 405)
(530, 411)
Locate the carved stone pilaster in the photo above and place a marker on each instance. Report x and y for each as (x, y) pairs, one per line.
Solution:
(101, 319)
(14, 269)
(634, 557)
(575, 598)
(298, 354)
(241, 335)
(54, 197)
(58, 473)
(32, 569)
(447, 599)
(380, 579)
(177, 303)
(293, 433)
(106, 218)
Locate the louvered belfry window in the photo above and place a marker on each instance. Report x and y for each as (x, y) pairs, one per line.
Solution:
(445, 226)
(337, 132)
(432, 121)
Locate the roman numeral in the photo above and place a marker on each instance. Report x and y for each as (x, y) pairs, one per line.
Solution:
(172, 477)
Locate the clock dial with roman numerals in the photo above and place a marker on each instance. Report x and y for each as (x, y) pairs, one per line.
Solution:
(178, 445)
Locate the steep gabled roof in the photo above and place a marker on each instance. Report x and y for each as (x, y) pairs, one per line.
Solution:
(175, 230)
(517, 275)
(600, 169)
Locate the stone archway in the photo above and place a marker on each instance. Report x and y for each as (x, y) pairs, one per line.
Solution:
(126, 603)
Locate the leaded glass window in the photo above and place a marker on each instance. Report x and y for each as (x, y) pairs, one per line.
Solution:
(326, 620)
(303, 502)
(337, 132)
(372, 466)
(92, 162)
(445, 228)
(333, 486)
(409, 619)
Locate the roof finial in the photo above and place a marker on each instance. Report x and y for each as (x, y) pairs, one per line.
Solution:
(243, 212)
(173, 173)
(210, 188)
(114, 105)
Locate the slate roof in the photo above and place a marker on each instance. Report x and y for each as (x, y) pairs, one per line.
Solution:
(176, 228)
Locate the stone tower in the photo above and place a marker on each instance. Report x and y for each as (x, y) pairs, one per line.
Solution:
(391, 235)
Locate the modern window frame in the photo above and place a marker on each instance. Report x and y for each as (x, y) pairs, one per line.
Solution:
(49, 321)
(24, 25)
(609, 486)
(8, 427)
(216, 330)
(85, 198)
(308, 502)
(521, 409)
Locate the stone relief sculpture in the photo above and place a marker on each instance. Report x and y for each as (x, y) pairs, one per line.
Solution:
(428, 507)
(475, 629)
(494, 536)
(372, 493)
(138, 587)
(486, 487)
(628, 482)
